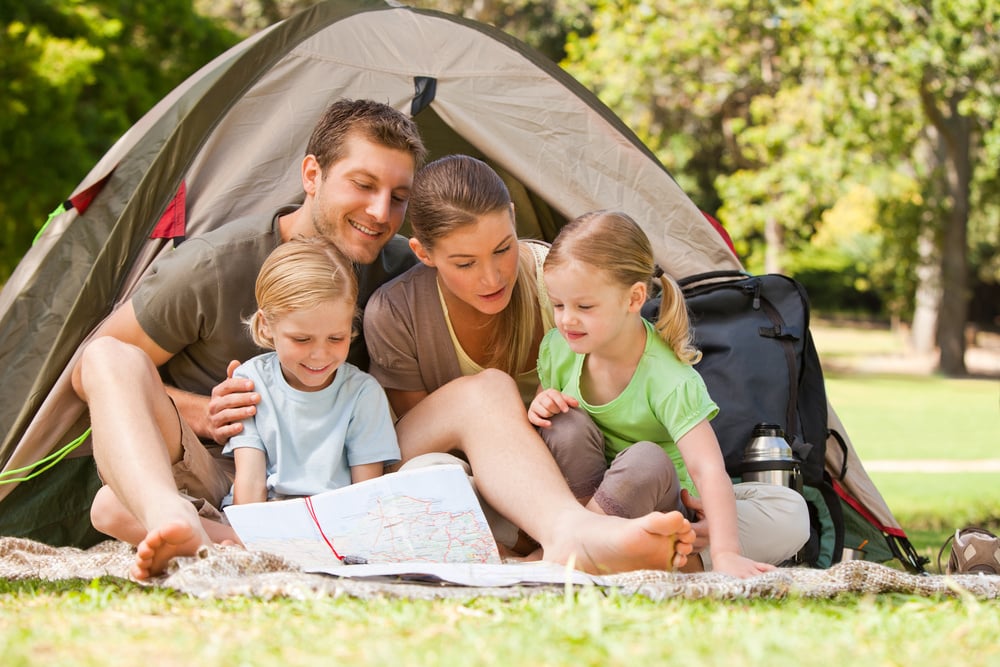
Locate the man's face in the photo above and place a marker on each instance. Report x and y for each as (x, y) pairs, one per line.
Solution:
(360, 201)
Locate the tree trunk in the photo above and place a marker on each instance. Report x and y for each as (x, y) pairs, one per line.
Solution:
(774, 246)
(954, 252)
(955, 133)
(927, 300)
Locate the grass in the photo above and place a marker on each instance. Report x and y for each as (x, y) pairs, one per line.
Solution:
(906, 417)
(110, 622)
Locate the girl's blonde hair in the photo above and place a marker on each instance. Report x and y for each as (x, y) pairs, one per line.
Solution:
(453, 192)
(300, 274)
(612, 242)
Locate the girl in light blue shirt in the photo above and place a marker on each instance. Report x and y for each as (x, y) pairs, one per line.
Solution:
(321, 423)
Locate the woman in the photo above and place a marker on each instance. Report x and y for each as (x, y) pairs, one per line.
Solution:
(477, 299)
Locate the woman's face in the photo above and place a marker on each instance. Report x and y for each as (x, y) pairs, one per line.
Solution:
(477, 263)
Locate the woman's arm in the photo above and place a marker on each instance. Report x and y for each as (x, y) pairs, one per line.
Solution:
(703, 458)
(250, 485)
(403, 401)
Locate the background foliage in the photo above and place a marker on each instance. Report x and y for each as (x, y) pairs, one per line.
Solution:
(850, 143)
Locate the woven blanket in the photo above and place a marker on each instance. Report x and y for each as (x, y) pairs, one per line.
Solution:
(225, 572)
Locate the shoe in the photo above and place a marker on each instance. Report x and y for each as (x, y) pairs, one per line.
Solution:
(973, 551)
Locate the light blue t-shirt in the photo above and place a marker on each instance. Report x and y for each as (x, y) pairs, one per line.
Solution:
(311, 439)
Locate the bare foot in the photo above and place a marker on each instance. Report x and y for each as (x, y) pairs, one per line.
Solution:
(175, 538)
(657, 541)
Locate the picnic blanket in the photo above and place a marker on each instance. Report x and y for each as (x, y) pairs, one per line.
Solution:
(230, 571)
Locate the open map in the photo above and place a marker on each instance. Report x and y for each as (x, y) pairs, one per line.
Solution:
(428, 515)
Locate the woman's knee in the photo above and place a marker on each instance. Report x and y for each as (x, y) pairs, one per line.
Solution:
(487, 390)
(774, 520)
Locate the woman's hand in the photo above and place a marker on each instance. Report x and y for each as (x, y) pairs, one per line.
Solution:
(549, 402)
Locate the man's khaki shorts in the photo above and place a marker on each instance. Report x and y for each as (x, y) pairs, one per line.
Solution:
(202, 476)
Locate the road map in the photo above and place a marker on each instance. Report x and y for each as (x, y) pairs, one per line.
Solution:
(428, 515)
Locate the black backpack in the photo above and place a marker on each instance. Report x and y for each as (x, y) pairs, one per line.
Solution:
(761, 366)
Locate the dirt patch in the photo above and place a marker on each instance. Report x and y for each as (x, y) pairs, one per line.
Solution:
(859, 347)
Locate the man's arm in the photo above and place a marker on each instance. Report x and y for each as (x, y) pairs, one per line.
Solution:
(217, 417)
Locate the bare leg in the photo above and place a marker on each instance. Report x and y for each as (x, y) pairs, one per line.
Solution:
(110, 516)
(136, 440)
(482, 415)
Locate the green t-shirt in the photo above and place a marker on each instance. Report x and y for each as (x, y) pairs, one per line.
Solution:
(664, 400)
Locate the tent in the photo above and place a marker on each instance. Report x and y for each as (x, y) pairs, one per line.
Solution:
(228, 142)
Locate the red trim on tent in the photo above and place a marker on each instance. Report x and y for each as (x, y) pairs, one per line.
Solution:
(81, 200)
(860, 509)
(172, 224)
(722, 231)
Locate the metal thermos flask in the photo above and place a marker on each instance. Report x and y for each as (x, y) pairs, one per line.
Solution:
(768, 458)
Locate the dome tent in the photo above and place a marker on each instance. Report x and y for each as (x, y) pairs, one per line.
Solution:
(228, 141)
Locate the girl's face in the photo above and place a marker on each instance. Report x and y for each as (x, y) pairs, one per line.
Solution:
(591, 310)
(477, 263)
(312, 344)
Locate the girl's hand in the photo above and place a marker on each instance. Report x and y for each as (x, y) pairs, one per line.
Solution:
(738, 566)
(699, 525)
(549, 402)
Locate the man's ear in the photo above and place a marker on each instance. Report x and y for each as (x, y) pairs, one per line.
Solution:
(421, 252)
(636, 297)
(312, 174)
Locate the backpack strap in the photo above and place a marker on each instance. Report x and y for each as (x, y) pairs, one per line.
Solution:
(712, 275)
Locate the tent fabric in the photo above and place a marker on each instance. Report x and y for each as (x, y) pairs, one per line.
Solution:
(229, 141)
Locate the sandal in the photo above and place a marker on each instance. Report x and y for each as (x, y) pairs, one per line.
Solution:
(973, 551)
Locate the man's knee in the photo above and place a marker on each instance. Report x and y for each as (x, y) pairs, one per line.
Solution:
(106, 511)
(108, 355)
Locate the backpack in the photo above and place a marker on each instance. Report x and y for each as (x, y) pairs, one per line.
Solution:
(760, 365)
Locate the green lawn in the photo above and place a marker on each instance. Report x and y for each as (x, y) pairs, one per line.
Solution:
(115, 623)
(110, 624)
(918, 417)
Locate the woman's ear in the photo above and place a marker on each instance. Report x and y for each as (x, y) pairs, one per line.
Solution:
(636, 297)
(421, 252)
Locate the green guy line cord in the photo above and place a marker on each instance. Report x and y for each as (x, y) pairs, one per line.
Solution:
(49, 461)
(60, 209)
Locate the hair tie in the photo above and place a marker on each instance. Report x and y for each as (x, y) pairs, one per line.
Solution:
(657, 271)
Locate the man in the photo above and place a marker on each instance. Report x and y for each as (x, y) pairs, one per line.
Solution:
(186, 319)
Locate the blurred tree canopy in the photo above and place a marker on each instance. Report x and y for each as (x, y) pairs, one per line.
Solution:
(74, 76)
(850, 143)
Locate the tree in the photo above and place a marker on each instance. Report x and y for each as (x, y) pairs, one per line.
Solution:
(74, 76)
(775, 112)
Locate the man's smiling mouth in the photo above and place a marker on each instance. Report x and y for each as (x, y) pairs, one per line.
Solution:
(368, 231)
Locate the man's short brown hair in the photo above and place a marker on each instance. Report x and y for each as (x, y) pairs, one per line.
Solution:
(374, 121)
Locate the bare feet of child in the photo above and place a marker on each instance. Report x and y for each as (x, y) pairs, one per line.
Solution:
(152, 554)
(607, 544)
